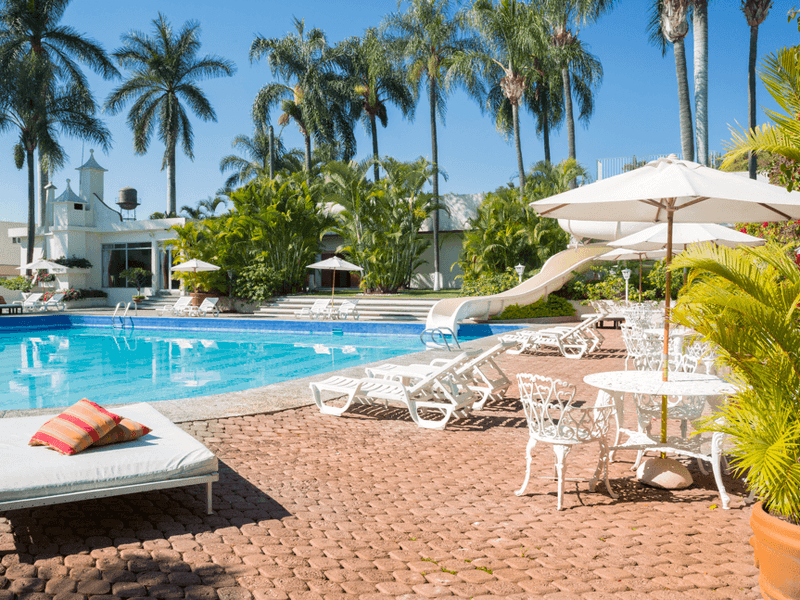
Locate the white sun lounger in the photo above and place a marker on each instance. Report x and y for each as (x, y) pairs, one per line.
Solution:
(574, 342)
(482, 373)
(37, 476)
(320, 308)
(209, 305)
(181, 307)
(440, 390)
(55, 301)
(32, 302)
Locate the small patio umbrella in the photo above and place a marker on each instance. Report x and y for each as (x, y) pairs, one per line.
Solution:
(669, 189)
(43, 265)
(334, 263)
(194, 266)
(684, 234)
(618, 254)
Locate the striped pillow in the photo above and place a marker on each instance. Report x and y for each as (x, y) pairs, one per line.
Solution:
(125, 431)
(76, 428)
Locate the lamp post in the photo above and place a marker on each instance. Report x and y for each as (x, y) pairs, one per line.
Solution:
(520, 269)
(626, 275)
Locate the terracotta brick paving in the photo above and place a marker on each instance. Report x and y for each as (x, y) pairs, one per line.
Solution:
(370, 506)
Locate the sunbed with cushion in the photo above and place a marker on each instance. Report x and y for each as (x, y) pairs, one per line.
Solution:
(37, 476)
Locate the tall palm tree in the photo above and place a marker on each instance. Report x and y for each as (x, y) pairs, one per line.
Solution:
(700, 29)
(669, 24)
(254, 161)
(545, 100)
(581, 71)
(164, 69)
(314, 95)
(32, 26)
(513, 43)
(428, 35)
(755, 11)
(375, 79)
(33, 104)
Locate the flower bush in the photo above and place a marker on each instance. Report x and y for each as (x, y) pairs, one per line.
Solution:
(76, 294)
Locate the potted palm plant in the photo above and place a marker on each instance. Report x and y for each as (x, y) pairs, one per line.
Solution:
(138, 277)
(745, 301)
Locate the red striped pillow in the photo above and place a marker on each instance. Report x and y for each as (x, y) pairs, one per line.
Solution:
(76, 428)
(125, 431)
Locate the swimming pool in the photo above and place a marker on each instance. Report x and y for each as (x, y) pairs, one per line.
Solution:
(57, 360)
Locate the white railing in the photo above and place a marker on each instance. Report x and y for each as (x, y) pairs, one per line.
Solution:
(608, 167)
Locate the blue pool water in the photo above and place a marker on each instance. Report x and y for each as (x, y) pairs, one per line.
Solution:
(60, 363)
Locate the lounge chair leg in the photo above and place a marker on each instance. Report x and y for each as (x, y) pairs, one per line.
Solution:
(331, 410)
(209, 509)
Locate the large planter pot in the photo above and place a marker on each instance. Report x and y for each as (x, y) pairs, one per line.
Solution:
(776, 546)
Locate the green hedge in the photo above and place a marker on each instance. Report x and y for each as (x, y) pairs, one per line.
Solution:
(554, 306)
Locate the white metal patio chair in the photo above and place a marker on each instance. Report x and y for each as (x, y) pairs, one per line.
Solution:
(553, 419)
(440, 391)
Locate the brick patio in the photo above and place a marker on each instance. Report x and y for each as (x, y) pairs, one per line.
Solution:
(369, 506)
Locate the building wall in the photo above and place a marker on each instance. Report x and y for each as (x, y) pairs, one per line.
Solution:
(9, 250)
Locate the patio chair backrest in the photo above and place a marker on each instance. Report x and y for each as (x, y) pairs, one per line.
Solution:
(485, 356)
(347, 307)
(320, 305)
(57, 297)
(33, 298)
(442, 370)
(209, 304)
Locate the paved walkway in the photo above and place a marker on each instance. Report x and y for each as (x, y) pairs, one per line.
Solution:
(369, 506)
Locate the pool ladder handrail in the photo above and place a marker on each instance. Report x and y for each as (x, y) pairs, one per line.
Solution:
(124, 314)
(443, 333)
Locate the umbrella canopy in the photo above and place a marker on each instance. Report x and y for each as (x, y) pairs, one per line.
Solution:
(669, 189)
(42, 265)
(335, 263)
(683, 234)
(195, 266)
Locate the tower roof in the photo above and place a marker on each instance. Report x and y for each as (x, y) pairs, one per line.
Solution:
(91, 164)
(69, 196)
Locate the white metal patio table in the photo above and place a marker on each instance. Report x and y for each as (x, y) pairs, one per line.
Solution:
(714, 389)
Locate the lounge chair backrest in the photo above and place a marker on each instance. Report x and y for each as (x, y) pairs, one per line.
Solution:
(440, 371)
(484, 356)
(320, 305)
(182, 302)
(209, 303)
(33, 298)
(56, 297)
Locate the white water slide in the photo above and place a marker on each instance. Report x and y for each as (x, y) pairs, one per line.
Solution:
(557, 271)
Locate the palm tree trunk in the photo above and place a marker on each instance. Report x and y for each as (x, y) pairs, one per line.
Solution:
(546, 125)
(435, 159)
(376, 170)
(271, 152)
(570, 119)
(307, 139)
(751, 95)
(173, 198)
(43, 179)
(685, 108)
(31, 204)
(518, 144)
(700, 19)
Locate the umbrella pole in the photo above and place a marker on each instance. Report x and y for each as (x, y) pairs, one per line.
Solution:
(665, 351)
(333, 289)
(640, 279)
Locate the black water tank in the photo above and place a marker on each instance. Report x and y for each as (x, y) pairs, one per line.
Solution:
(127, 199)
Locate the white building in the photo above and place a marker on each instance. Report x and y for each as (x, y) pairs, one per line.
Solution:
(9, 249)
(81, 225)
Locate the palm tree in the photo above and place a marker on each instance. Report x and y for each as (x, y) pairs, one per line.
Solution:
(33, 27)
(429, 34)
(32, 103)
(755, 11)
(545, 101)
(513, 43)
(376, 79)
(314, 95)
(668, 23)
(700, 28)
(255, 160)
(164, 70)
(581, 71)
(205, 209)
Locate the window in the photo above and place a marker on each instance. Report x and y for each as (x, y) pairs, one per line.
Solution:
(118, 257)
(78, 206)
(16, 240)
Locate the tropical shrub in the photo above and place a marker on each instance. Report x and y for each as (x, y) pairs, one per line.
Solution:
(19, 282)
(73, 262)
(552, 306)
(744, 301)
(489, 283)
(77, 294)
(506, 232)
(137, 276)
(259, 281)
(380, 222)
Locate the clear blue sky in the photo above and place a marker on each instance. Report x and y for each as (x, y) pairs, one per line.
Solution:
(636, 109)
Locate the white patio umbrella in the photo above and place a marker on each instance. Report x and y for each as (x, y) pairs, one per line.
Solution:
(618, 254)
(43, 265)
(684, 234)
(195, 266)
(670, 190)
(334, 263)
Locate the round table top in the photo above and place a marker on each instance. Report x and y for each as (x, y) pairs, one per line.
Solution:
(650, 382)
